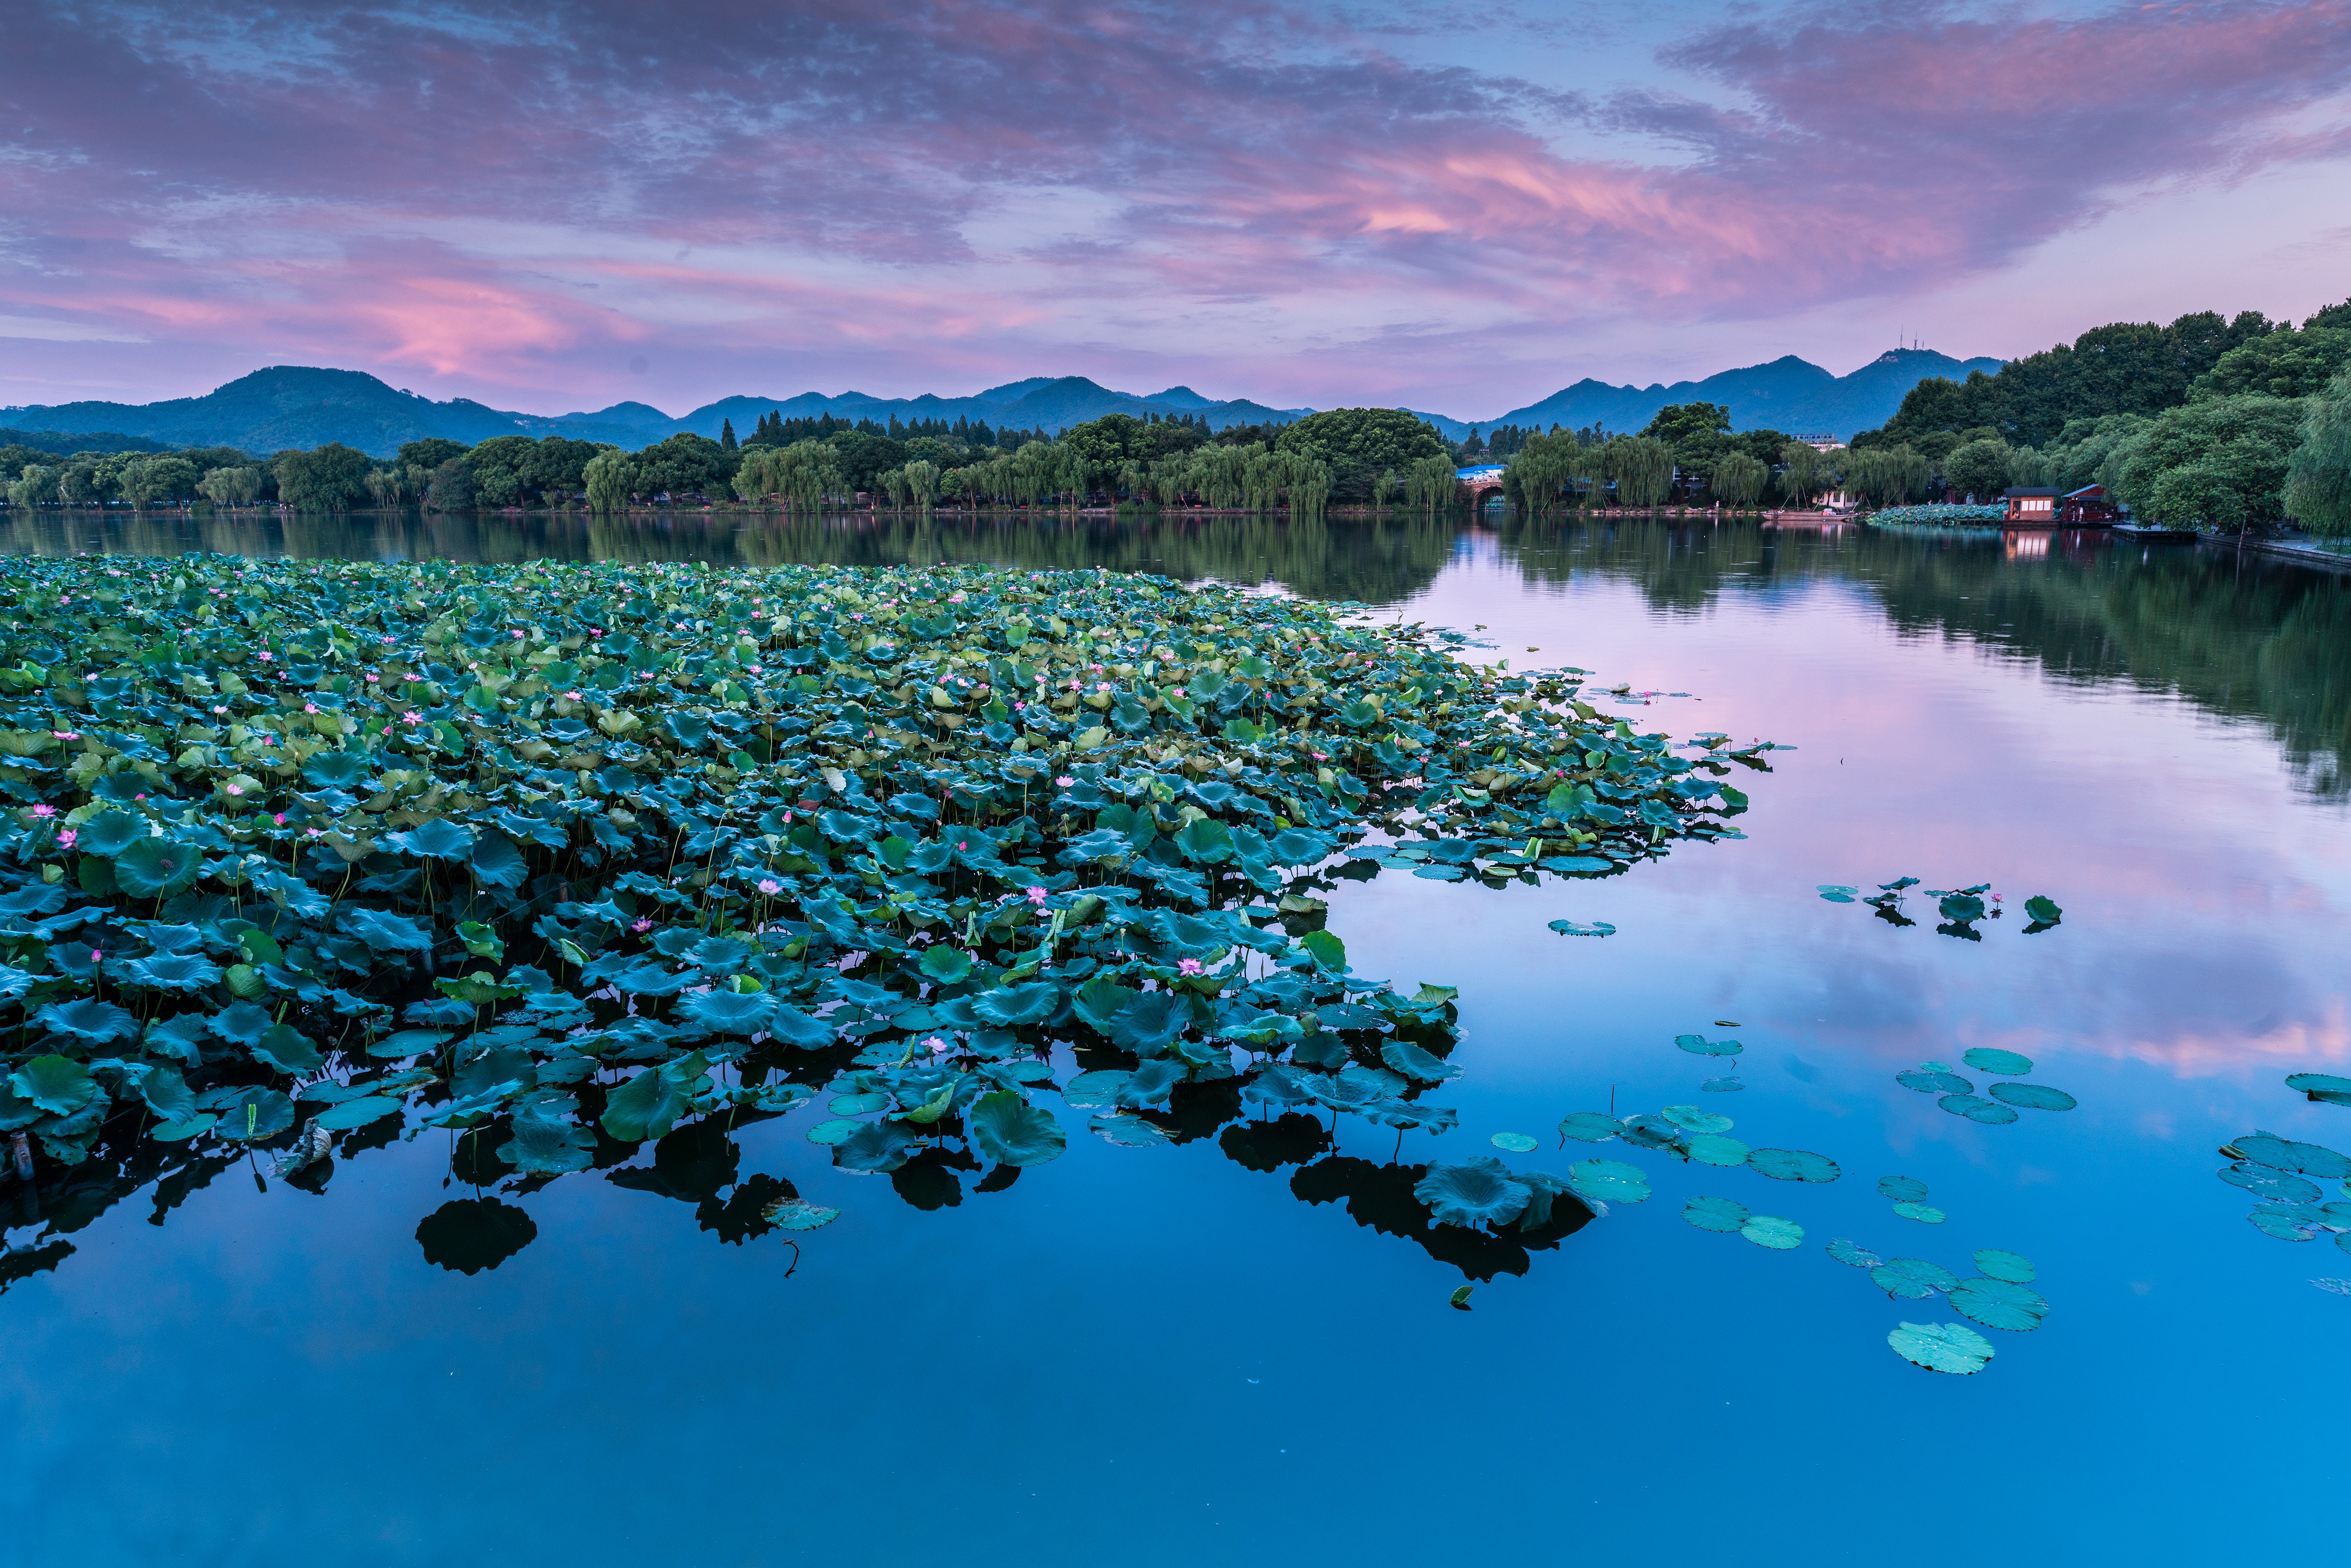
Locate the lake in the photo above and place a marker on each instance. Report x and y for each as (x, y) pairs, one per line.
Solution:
(1240, 1348)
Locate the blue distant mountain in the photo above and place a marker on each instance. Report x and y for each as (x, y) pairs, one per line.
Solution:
(292, 405)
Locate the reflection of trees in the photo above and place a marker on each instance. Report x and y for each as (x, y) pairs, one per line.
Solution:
(2257, 639)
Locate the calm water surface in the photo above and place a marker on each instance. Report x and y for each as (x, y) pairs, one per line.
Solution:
(1238, 1349)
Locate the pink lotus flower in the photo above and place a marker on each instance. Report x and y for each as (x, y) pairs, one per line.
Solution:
(411, 716)
(572, 697)
(935, 1045)
(1187, 966)
(770, 886)
(45, 810)
(279, 819)
(1063, 783)
(67, 839)
(236, 790)
(265, 658)
(1037, 896)
(309, 708)
(642, 926)
(518, 636)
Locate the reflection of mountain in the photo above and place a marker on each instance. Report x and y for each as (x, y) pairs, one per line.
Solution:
(2255, 639)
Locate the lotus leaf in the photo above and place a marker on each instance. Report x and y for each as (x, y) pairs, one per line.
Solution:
(1415, 1063)
(1608, 1180)
(2280, 1187)
(1721, 1214)
(947, 965)
(875, 1147)
(2044, 913)
(2287, 1222)
(834, 1131)
(1844, 1251)
(1771, 1231)
(1901, 1190)
(797, 1213)
(97, 1022)
(1941, 1347)
(730, 1012)
(1590, 1127)
(439, 839)
(646, 1106)
(1914, 1278)
(1571, 928)
(1128, 1132)
(1976, 1109)
(254, 1114)
(2316, 1084)
(1998, 1304)
(1699, 1045)
(1690, 1119)
(1011, 1131)
(156, 868)
(180, 1132)
(2000, 1064)
(2033, 1096)
(288, 1050)
(1479, 1191)
(1998, 1265)
(1513, 1143)
(2286, 1155)
(111, 832)
(1712, 1149)
(1793, 1165)
(167, 1094)
(366, 1108)
(1924, 1214)
(56, 1083)
(1934, 1080)
(1099, 1088)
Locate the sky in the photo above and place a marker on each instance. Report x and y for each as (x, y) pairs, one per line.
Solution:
(555, 207)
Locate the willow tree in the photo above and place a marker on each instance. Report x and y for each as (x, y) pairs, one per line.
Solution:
(1738, 480)
(1643, 468)
(2318, 476)
(1431, 485)
(610, 479)
(1801, 470)
(923, 481)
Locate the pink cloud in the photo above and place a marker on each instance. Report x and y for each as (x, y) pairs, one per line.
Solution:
(487, 197)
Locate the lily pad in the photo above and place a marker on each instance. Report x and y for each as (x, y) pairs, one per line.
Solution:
(1771, 1231)
(1129, 1132)
(1995, 1264)
(1792, 1165)
(1924, 1214)
(1718, 1214)
(1913, 1277)
(1590, 1127)
(2033, 1096)
(2278, 1186)
(1699, 1045)
(1011, 1131)
(837, 1130)
(1713, 1149)
(1976, 1109)
(1941, 1347)
(1998, 1063)
(1690, 1119)
(1852, 1254)
(2000, 1304)
(1932, 1081)
(797, 1213)
(358, 1112)
(1901, 1188)
(1513, 1143)
(1479, 1191)
(1608, 1181)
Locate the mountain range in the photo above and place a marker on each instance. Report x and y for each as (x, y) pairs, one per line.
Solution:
(299, 406)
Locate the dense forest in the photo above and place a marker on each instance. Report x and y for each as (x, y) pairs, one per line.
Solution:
(2207, 421)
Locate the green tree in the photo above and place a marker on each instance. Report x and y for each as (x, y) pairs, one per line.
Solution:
(2284, 364)
(1800, 475)
(1978, 470)
(2242, 442)
(1357, 445)
(1739, 479)
(685, 465)
(610, 479)
(2318, 475)
(453, 489)
(1642, 467)
(330, 479)
(237, 486)
(431, 453)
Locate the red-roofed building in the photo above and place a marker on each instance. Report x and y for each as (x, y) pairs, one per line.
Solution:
(2044, 506)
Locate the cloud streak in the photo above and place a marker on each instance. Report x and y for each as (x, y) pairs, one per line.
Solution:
(508, 195)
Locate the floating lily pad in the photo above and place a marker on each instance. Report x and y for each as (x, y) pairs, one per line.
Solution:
(1713, 1149)
(1998, 1063)
(1690, 1119)
(2286, 1155)
(1934, 1080)
(1011, 1131)
(1718, 1214)
(1513, 1143)
(1976, 1109)
(797, 1213)
(1998, 1304)
(1129, 1132)
(1924, 1214)
(2009, 1266)
(1564, 927)
(1853, 1254)
(2287, 1222)
(2035, 1096)
(1914, 1278)
(1699, 1045)
(833, 1132)
(1771, 1231)
(1590, 1127)
(1901, 1188)
(1941, 1347)
(1793, 1165)
(1609, 1180)
(2325, 1086)
(358, 1112)
(1721, 1086)
(1479, 1191)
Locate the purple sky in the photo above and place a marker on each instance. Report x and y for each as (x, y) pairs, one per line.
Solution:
(552, 207)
